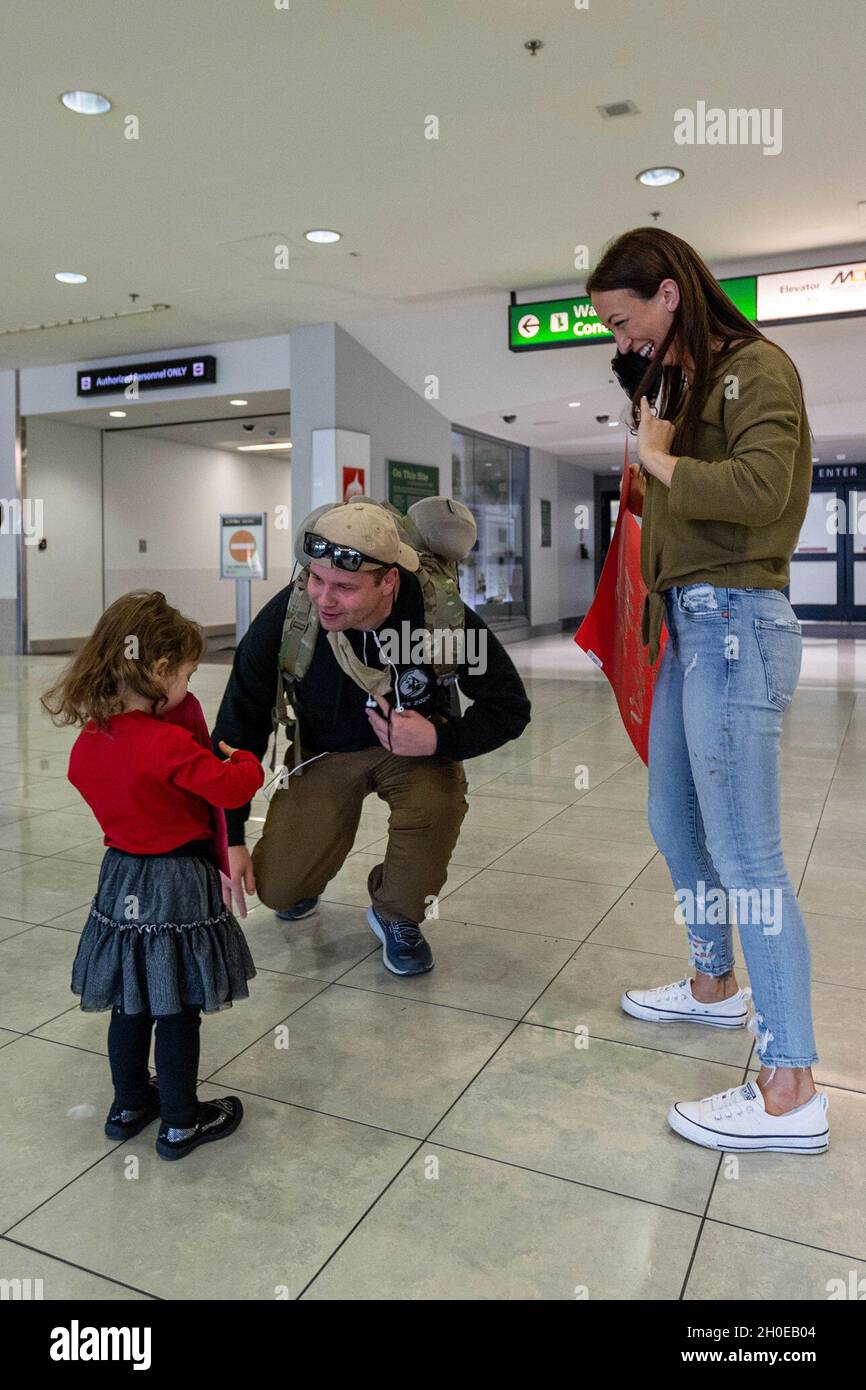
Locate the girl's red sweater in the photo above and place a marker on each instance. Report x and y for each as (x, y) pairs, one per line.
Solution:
(151, 784)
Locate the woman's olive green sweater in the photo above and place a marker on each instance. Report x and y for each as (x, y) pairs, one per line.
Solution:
(732, 514)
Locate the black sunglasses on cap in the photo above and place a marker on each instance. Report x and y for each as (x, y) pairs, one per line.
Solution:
(344, 557)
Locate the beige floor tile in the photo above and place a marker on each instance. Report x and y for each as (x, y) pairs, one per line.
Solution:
(507, 816)
(644, 920)
(834, 890)
(51, 833)
(602, 823)
(57, 1281)
(596, 1115)
(46, 889)
(371, 1057)
(322, 947)
(11, 813)
(531, 786)
(590, 861)
(472, 1229)
(656, 877)
(524, 902)
(61, 1096)
(248, 1218)
(733, 1264)
(477, 968)
(35, 970)
(838, 946)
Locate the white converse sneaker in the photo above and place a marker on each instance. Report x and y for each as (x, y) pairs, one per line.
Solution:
(676, 1004)
(736, 1121)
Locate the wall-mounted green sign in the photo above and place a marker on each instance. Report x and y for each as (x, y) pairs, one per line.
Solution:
(552, 323)
(408, 482)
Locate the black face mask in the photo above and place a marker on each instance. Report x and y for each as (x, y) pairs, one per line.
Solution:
(628, 368)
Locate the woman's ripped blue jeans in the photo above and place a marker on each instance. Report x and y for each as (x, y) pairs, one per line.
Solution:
(729, 670)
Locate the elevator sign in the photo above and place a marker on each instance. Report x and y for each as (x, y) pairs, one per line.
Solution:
(243, 545)
(147, 376)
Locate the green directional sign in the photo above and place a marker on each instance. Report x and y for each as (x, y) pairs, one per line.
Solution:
(552, 323)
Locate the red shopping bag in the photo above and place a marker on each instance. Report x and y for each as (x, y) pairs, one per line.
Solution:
(610, 632)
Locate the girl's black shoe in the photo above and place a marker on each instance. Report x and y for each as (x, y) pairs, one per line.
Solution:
(118, 1128)
(217, 1119)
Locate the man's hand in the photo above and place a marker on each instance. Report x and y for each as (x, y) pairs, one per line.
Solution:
(242, 877)
(408, 733)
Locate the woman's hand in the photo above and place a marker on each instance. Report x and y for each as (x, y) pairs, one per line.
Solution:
(654, 438)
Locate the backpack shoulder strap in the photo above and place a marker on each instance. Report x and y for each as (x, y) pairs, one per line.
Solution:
(298, 641)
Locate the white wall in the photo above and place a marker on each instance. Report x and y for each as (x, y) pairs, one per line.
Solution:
(167, 493)
(171, 495)
(64, 581)
(10, 541)
(336, 383)
(263, 361)
(544, 605)
(575, 585)
(402, 425)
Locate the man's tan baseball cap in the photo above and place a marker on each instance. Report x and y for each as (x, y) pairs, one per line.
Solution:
(370, 529)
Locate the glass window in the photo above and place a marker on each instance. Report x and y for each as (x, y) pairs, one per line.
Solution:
(491, 477)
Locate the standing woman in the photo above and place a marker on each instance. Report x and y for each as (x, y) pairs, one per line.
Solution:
(726, 470)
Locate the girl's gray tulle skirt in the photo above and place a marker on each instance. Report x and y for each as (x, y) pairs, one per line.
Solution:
(159, 937)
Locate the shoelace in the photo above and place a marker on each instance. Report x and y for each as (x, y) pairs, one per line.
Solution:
(666, 990)
(722, 1099)
(406, 933)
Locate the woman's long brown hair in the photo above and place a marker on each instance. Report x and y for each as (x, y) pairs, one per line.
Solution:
(133, 634)
(638, 261)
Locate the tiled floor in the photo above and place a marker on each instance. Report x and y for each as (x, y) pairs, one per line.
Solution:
(444, 1137)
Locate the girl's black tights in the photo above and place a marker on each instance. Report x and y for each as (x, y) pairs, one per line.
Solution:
(176, 1056)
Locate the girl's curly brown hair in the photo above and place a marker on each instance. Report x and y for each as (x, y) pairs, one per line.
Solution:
(133, 634)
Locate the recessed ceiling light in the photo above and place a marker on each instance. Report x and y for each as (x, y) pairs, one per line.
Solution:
(262, 448)
(841, 457)
(117, 414)
(612, 424)
(70, 277)
(86, 103)
(238, 402)
(322, 236)
(657, 178)
(816, 460)
(572, 404)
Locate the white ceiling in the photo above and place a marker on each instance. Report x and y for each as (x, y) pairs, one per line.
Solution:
(257, 123)
(230, 434)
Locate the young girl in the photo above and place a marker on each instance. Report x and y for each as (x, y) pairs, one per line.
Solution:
(160, 944)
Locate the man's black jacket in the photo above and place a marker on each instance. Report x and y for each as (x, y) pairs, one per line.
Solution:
(331, 708)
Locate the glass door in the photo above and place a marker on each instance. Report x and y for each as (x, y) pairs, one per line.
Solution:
(828, 569)
(491, 476)
(856, 563)
(817, 589)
